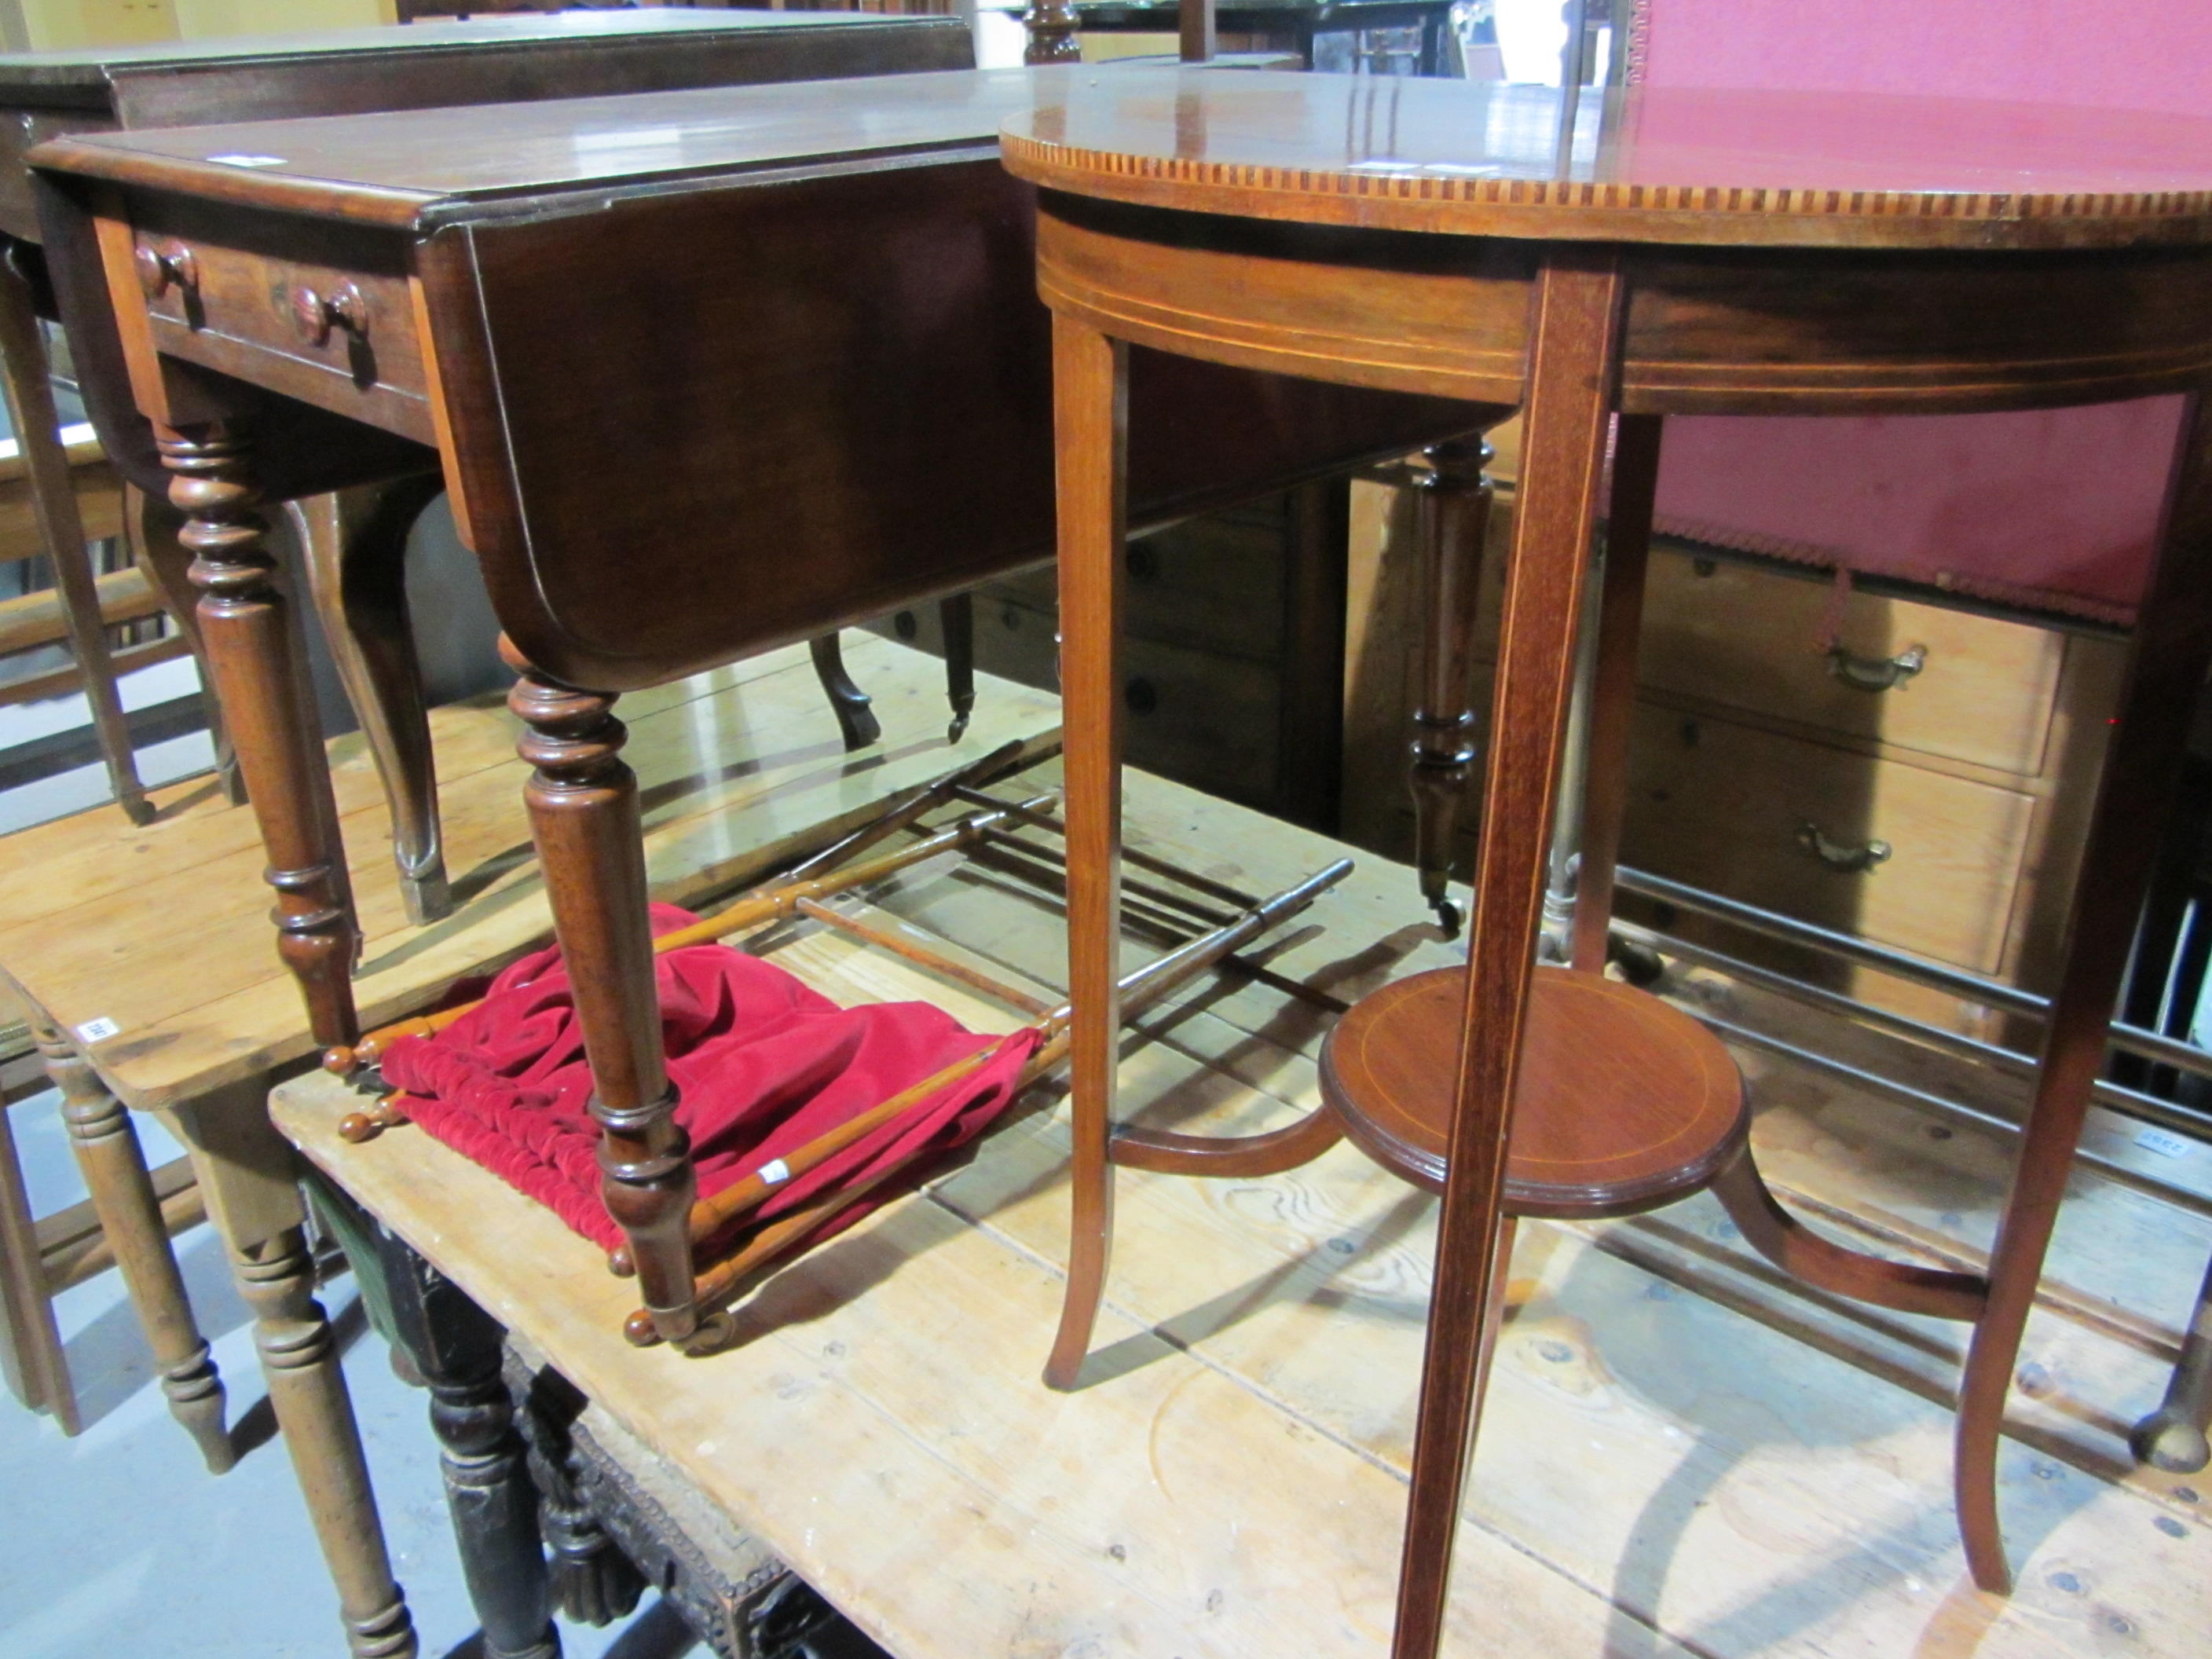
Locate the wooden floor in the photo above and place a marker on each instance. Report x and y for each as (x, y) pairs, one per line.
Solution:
(1682, 1455)
(160, 932)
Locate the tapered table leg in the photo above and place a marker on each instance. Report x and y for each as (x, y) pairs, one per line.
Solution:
(28, 380)
(1090, 426)
(1573, 361)
(2167, 662)
(249, 1176)
(114, 1170)
(259, 677)
(1612, 687)
(150, 523)
(957, 620)
(1453, 499)
(354, 547)
(584, 818)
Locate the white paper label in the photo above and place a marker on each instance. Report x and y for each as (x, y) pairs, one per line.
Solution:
(2164, 1142)
(96, 1030)
(775, 1171)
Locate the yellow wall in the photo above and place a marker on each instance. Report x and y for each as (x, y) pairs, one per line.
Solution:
(53, 25)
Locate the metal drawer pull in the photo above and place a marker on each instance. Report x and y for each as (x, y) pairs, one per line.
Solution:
(1876, 673)
(1840, 856)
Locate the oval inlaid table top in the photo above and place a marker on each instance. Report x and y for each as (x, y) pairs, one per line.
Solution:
(1658, 164)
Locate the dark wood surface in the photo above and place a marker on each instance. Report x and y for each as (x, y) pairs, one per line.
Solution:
(1708, 251)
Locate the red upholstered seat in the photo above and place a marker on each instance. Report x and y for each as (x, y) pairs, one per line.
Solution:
(2055, 508)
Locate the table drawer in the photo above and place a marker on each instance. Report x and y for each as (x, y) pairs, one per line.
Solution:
(1921, 677)
(338, 332)
(1797, 827)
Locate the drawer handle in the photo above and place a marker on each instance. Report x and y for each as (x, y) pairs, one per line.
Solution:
(316, 314)
(1872, 674)
(1841, 856)
(159, 268)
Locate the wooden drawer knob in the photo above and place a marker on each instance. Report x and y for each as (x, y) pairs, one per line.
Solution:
(1844, 858)
(163, 266)
(315, 315)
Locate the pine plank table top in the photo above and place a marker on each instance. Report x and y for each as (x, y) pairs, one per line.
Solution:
(1677, 1457)
(162, 931)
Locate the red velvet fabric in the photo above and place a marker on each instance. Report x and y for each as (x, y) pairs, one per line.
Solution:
(2055, 508)
(763, 1064)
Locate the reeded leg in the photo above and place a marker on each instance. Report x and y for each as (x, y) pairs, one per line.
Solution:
(1612, 687)
(151, 526)
(2167, 662)
(355, 545)
(584, 817)
(854, 720)
(594, 1582)
(259, 677)
(1091, 424)
(25, 372)
(2172, 1437)
(1573, 360)
(957, 617)
(458, 1349)
(107, 1152)
(1454, 498)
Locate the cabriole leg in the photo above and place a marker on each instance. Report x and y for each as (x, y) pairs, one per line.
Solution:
(2167, 662)
(856, 721)
(1091, 424)
(259, 677)
(584, 817)
(114, 1168)
(355, 545)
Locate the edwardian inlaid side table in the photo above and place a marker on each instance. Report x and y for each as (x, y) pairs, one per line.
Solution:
(1700, 252)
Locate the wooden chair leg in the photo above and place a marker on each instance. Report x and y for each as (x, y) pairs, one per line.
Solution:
(32, 1359)
(1612, 689)
(584, 817)
(26, 376)
(956, 619)
(1091, 424)
(1573, 363)
(2167, 662)
(2174, 1437)
(250, 1177)
(354, 546)
(115, 1169)
(1453, 496)
(855, 721)
(150, 524)
(258, 675)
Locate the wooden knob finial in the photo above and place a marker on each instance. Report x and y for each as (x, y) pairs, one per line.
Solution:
(640, 1330)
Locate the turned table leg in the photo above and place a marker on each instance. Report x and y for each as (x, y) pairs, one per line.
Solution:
(150, 524)
(1051, 26)
(251, 1178)
(1573, 363)
(1454, 498)
(1090, 427)
(257, 679)
(2167, 661)
(459, 1351)
(584, 818)
(354, 546)
(107, 1152)
(28, 379)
